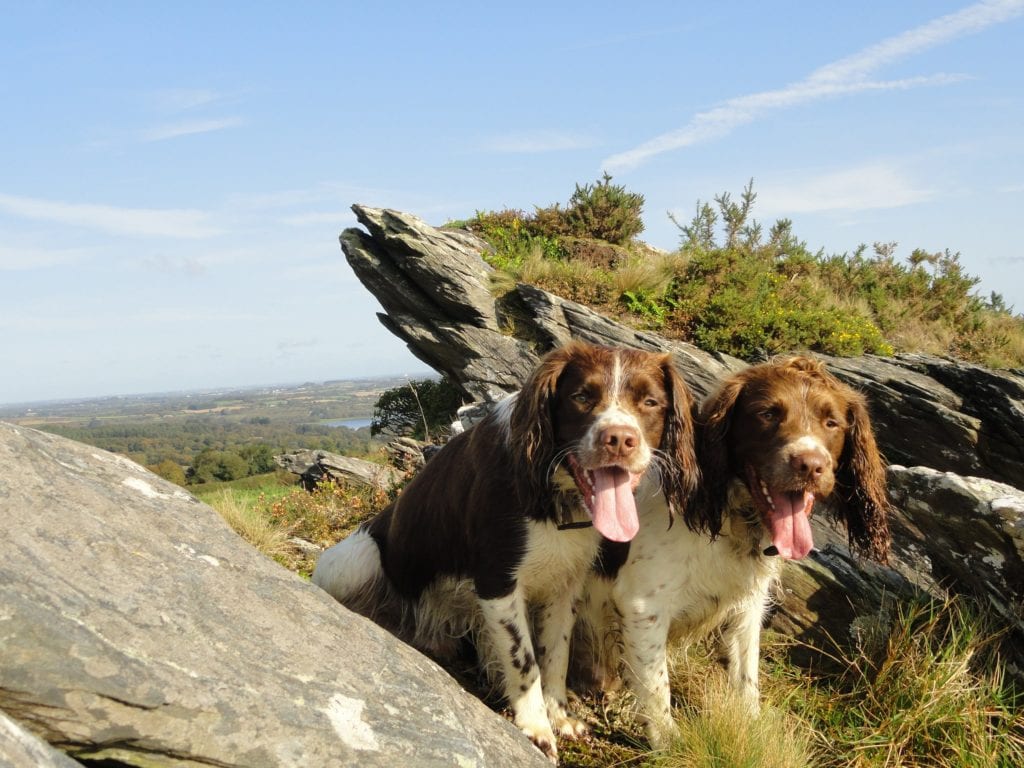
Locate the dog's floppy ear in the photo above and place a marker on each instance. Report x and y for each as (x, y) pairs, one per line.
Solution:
(532, 429)
(862, 499)
(713, 425)
(680, 474)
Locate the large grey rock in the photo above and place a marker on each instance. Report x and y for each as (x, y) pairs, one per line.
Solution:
(21, 749)
(136, 627)
(435, 290)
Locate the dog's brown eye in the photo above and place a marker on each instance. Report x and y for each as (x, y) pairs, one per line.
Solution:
(769, 414)
(650, 402)
(581, 398)
(831, 423)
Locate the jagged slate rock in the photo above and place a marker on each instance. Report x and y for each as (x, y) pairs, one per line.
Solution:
(559, 321)
(21, 749)
(462, 289)
(945, 414)
(435, 290)
(951, 535)
(996, 400)
(138, 628)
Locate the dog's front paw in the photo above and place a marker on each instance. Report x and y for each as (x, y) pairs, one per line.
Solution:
(563, 724)
(662, 733)
(569, 727)
(544, 739)
(534, 723)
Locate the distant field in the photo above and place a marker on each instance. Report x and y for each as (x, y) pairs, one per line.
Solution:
(176, 427)
(299, 403)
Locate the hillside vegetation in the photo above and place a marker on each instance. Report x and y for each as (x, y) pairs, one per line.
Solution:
(734, 286)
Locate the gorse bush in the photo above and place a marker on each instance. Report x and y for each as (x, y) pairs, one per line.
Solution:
(749, 294)
(421, 409)
(601, 211)
(605, 211)
(514, 237)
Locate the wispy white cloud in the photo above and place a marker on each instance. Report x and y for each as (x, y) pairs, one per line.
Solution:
(183, 99)
(868, 187)
(14, 259)
(538, 142)
(342, 218)
(842, 77)
(190, 127)
(159, 222)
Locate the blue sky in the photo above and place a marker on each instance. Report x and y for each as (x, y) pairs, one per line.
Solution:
(174, 176)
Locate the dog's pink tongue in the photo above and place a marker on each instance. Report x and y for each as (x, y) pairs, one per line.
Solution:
(614, 507)
(791, 526)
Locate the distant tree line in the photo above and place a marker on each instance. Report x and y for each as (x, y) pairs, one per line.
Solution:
(206, 448)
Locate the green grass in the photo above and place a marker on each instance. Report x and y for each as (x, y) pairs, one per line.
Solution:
(924, 688)
(271, 516)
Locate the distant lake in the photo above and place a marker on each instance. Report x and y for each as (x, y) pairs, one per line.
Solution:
(350, 423)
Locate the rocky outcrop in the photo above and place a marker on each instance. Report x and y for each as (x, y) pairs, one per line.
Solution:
(959, 520)
(944, 414)
(314, 467)
(137, 629)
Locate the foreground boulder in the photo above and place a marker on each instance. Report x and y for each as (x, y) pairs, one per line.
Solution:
(21, 749)
(137, 628)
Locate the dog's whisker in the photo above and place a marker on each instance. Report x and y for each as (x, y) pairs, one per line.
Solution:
(558, 458)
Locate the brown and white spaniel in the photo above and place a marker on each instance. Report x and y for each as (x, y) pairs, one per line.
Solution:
(504, 523)
(775, 439)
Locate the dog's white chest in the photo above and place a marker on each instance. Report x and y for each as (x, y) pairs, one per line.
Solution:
(556, 560)
(696, 581)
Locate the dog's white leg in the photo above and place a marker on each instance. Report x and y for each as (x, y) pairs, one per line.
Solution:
(741, 641)
(598, 634)
(645, 666)
(555, 619)
(509, 629)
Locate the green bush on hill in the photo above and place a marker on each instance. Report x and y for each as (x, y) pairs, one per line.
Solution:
(421, 409)
(733, 287)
